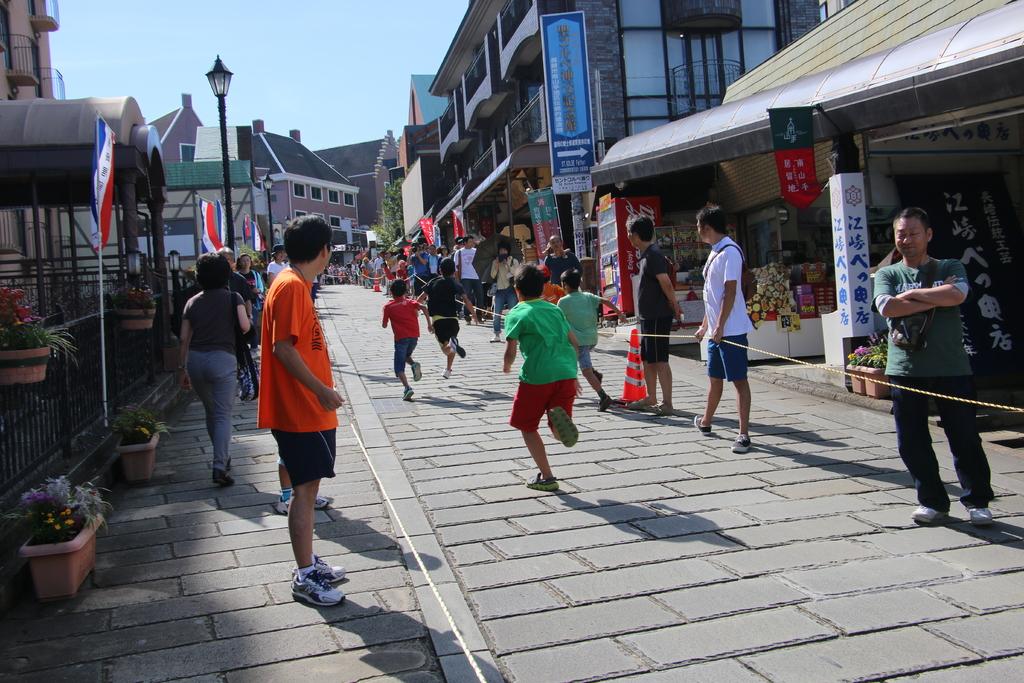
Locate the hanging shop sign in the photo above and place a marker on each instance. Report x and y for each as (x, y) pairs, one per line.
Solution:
(567, 95)
(793, 141)
(973, 221)
(994, 136)
(850, 250)
(544, 216)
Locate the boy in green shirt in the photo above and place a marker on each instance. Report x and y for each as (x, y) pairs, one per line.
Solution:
(580, 309)
(547, 382)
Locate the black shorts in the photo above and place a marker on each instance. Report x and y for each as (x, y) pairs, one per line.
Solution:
(307, 456)
(445, 329)
(655, 349)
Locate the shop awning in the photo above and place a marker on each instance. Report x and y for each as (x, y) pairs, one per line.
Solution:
(971, 64)
(533, 155)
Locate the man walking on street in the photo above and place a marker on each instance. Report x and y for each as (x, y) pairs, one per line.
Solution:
(301, 411)
(725, 324)
(559, 260)
(931, 359)
(657, 306)
(466, 273)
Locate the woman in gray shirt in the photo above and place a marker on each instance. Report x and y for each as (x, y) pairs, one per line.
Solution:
(208, 361)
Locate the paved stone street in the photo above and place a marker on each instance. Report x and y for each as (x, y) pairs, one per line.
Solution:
(664, 558)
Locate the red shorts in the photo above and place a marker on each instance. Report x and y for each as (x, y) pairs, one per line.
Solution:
(532, 402)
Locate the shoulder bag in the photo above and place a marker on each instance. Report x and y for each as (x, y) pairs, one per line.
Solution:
(910, 331)
(247, 372)
(747, 284)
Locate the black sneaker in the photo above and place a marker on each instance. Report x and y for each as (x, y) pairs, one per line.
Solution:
(458, 348)
(222, 478)
(697, 423)
(741, 444)
(606, 402)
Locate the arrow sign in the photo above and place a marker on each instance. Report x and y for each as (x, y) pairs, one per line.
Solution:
(574, 153)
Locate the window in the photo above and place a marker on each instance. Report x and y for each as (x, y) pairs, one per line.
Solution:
(758, 13)
(188, 152)
(299, 190)
(332, 197)
(316, 193)
(300, 213)
(350, 199)
(640, 13)
(335, 221)
(823, 11)
(757, 47)
(644, 55)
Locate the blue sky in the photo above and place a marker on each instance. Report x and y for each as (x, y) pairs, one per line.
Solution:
(338, 70)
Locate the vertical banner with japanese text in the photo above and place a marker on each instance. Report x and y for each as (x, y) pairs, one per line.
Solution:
(850, 250)
(567, 92)
(544, 216)
(793, 142)
(973, 220)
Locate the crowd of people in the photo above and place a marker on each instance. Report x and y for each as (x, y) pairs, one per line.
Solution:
(553, 325)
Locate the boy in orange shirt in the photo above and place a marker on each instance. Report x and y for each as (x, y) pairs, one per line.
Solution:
(299, 402)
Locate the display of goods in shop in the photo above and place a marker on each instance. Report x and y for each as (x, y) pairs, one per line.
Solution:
(772, 294)
(825, 297)
(815, 273)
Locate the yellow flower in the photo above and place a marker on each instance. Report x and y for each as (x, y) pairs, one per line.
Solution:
(144, 431)
(69, 522)
(57, 527)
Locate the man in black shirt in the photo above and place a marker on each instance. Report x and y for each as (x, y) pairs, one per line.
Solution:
(237, 282)
(559, 260)
(443, 296)
(656, 301)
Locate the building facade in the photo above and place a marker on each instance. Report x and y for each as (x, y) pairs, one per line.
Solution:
(26, 70)
(366, 165)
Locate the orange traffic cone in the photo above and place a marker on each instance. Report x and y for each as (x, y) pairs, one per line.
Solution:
(634, 388)
(376, 284)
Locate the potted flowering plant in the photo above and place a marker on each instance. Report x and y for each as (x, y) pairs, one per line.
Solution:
(868, 362)
(25, 343)
(135, 307)
(140, 432)
(63, 520)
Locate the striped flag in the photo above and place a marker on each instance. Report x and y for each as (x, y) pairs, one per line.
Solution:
(257, 236)
(209, 225)
(247, 228)
(458, 227)
(222, 224)
(102, 184)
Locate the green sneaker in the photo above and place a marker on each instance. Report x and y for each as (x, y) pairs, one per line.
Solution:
(541, 484)
(407, 394)
(563, 427)
(417, 371)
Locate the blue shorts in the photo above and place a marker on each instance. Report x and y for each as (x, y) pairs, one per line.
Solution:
(727, 361)
(308, 456)
(403, 352)
(583, 357)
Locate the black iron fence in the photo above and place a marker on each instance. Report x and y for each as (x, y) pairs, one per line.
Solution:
(701, 85)
(23, 63)
(52, 85)
(512, 16)
(448, 119)
(528, 125)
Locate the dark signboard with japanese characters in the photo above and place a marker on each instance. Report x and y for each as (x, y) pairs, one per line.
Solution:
(974, 222)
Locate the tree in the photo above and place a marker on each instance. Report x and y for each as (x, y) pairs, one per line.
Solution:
(391, 226)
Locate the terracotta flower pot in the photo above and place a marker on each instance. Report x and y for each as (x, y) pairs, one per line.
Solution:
(873, 389)
(857, 383)
(138, 460)
(135, 318)
(58, 569)
(25, 366)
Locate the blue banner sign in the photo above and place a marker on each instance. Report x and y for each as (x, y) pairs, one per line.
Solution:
(567, 95)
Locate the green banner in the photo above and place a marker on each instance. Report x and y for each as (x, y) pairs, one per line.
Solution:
(792, 128)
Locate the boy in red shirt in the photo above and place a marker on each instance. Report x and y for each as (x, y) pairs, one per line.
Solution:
(402, 313)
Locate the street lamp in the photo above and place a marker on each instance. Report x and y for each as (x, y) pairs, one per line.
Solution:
(174, 263)
(133, 260)
(220, 81)
(268, 183)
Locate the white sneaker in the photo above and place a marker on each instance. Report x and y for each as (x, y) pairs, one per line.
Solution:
(315, 589)
(980, 516)
(926, 515)
(446, 374)
(334, 574)
(496, 338)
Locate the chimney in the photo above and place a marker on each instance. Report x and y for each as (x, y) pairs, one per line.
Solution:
(257, 126)
(294, 134)
(186, 101)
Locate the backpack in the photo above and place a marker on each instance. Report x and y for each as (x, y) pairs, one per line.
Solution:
(748, 283)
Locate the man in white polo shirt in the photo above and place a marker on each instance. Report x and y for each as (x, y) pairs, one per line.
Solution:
(725, 324)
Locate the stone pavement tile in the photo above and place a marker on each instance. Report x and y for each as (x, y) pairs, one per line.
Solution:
(125, 558)
(727, 636)
(450, 500)
(658, 550)
(924, 539)
(778, 533)
(795, 555)
(114, 576)
(889, 516)
(630, 494)
(634, 478)
(456, 668)
(293, 615)
(430, 554)
(873, 575)
(507, 572)
(388, 659)
(798, 475)
(542, 544)
(647, 578)
(487, 511)
(697, 487)
(132, 527)
(867, 657)
(594, 660)
(996, 670)
(680, 525)
(1005, 530)
(471, 553)
(97, 646)
(697, 448)
(653, 462)
(28, 630)
(224, 655)
(389, 627)
(578, 623)
(818, 489)
(724, 599)
(722, 671)
(985, 594)
(187, 607)
(107, 598)
(987, 559)
(1009, 504)
(992, 635)
(877, 611)
(145, 539)
(460, 470)
(801, 509)
(519, 491)
(459, 454)
(607, 514)
(476, 531)
(509, 601)
(475, 482)
(169, 510)
(729, 467)
(92, 671)
(715, 501)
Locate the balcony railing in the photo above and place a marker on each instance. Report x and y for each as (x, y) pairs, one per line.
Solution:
(484, 164)
(701, 85)
(477, 72)
(22, 61)
(447, 121)
(512, 16)
(520, 34)
(52, 85)
(528, 125)
(43, 15)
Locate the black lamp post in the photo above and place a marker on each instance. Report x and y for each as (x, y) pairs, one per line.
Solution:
(268, 183)
(220, 81)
